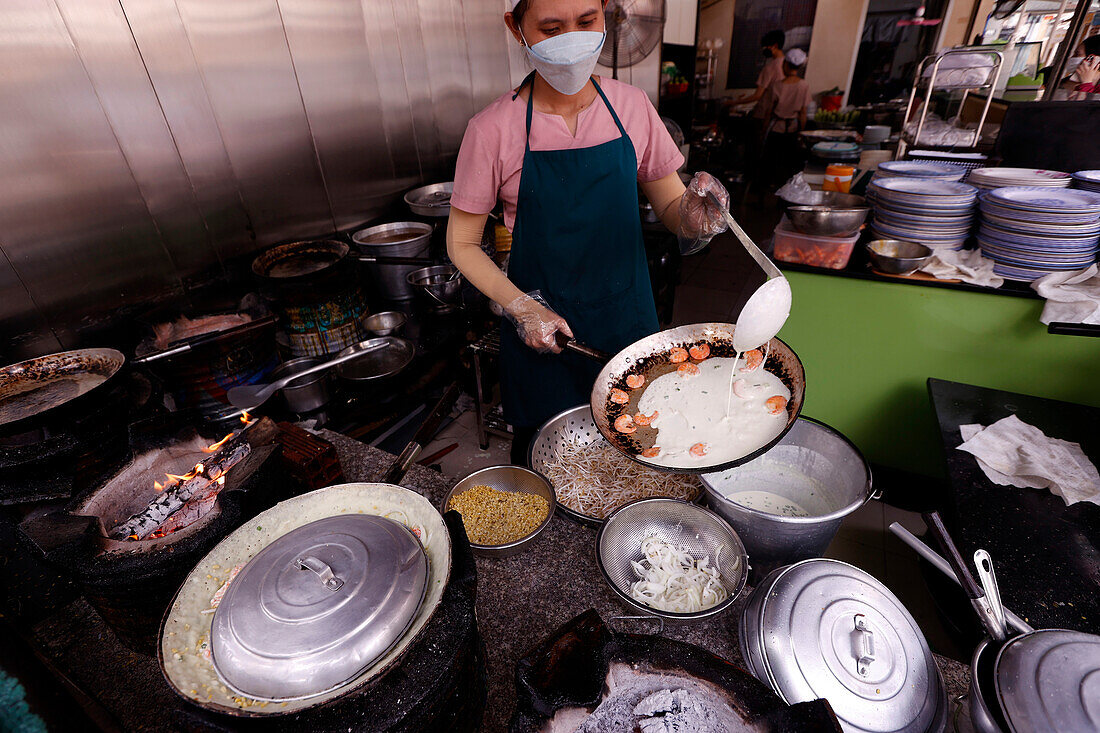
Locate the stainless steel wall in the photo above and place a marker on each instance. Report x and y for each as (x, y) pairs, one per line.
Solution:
(145, 142)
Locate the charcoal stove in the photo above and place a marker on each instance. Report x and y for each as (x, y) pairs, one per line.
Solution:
(55, 458)
(129, 576)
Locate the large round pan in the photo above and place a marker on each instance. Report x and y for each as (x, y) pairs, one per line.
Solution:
(34, 387)
(649, 357)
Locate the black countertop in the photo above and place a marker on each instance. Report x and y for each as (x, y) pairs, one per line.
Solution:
(1047, 554)
(520, 601)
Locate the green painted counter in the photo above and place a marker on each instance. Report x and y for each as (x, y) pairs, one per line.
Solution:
(869, 347)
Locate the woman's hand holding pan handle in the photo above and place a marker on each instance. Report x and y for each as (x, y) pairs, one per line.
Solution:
(536, 323)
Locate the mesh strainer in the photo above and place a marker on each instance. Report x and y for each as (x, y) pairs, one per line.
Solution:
(691, 526)
(573, 426)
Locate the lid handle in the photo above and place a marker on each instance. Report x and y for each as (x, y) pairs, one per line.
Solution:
(865, 646)
(322, 570)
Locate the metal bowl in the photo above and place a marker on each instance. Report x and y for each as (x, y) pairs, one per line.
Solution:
(576, 426)
(386, 323)
(433, 200)
(436, 286)
(830, 199)
(700, 530)
(897, 257)
(827, 221)
(376, 364)
(507, 478)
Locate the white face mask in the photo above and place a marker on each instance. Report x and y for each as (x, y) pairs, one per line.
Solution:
(566, 61)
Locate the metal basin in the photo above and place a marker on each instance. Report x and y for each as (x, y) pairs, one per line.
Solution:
(507, 478)
(386, 323)
(827, 221)
(814, 467)
(436, 287)
(897, 257)
(702, 532)
(309, 393)
(433, 200)
(397, 239)
(831, 199)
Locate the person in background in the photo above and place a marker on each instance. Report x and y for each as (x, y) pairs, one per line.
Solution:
(1085, 78)
(786, 101)
(772, 48)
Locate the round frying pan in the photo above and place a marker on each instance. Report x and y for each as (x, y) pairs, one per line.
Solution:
(650, 358)
(30, 388)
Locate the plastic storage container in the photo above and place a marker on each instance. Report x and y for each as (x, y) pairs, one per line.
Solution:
(807, 249)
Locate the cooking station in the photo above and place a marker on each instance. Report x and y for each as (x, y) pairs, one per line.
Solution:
(559, 568)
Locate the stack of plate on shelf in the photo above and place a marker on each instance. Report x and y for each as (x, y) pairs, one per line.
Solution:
(988, 179)
(1030, 231)
(1087, 180)
(918, 169)
(933, 212)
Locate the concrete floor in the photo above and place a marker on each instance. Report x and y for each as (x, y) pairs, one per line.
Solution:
(863, 539)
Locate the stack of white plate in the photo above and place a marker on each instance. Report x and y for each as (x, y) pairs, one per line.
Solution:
(1087, 180)
(988, 179)
(918, 169)
(935, 213)
(1031, 231)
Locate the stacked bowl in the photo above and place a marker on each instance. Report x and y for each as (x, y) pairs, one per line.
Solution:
(1031, 231)
(987, 179)
(934, 212)
(1087, 180)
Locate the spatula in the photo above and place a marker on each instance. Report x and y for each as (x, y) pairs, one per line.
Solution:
(250, 396)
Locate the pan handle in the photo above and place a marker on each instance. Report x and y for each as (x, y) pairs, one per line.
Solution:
(423, 436)
(573, 345)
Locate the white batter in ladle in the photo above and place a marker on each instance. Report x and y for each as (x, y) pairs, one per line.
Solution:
(767, 309)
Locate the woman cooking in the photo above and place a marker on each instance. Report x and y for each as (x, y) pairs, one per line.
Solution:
(565, 153)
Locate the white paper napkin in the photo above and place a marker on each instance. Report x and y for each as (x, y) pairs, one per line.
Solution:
(1072, 297)
(1013, 453)
(967, 265)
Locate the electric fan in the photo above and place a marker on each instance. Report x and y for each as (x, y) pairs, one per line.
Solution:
(633, 29)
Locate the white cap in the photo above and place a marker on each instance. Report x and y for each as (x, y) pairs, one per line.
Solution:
(512, 4)
(796, 57)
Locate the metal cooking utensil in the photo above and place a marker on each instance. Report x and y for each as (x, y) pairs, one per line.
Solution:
(944, 567)
(507, 478)
(248, 396)
(47, 383)
(761, 259)
(988, 578)
(977, 596)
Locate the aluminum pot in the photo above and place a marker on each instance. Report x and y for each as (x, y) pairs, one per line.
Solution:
(815, 468)
(397, 239)
(306, 394)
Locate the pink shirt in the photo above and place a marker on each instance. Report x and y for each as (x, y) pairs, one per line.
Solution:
(771, 73)
(491, 157)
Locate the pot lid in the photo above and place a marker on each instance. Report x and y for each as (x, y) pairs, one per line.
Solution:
(1050, 680)
(317, 606)
(830, 630)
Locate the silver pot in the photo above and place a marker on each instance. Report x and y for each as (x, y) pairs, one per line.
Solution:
(438, 286)
(306, 394)
(823, 628)
(814, 467)
(397, 239)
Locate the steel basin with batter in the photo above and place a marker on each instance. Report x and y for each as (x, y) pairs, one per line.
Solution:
(814, 466)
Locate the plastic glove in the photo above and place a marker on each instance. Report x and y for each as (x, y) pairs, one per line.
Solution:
(536, 324)
(700, 219)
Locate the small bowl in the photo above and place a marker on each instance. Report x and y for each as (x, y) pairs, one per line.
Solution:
(827, 221)
(700, 530)
(507, 478)
(896, 257)
(386, 323)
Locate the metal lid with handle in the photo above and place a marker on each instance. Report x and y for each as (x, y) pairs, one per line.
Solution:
(317, 606)
(828, 629)
(1050, 680)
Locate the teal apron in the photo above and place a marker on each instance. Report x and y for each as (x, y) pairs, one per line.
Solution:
(578, 239)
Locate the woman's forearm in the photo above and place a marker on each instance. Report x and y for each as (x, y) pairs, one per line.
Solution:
(664, 196)
(464, 232)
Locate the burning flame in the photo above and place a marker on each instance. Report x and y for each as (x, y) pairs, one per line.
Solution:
(221, 481)
(158, 485)
(215, 446)
(246, 418)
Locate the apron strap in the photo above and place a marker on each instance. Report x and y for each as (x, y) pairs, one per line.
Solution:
(530, 79)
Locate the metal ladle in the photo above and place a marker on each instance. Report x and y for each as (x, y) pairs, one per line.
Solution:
(760, 303)
(249, 396)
